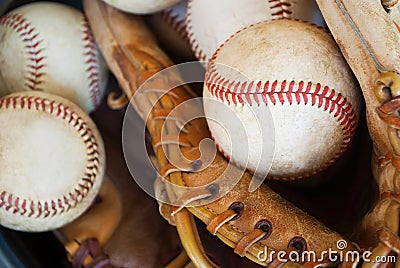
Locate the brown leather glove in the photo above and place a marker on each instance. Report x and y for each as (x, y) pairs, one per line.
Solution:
(368, 35)
(250, 222)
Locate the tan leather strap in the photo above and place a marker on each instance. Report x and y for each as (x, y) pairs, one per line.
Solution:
(187, 229)
(380, 250)
(168, 169)
(389, 4)
(133, 60)
(220, 220)
(387, 87)
(180, 261)
(190, 197)
(164, 114)
(388, 112)
(248, 240)
(115, 102)
(107, 211)
(170, 139)
(390, 158)
(387, 91)
(160, 112)
(390, 239)
(391, 195)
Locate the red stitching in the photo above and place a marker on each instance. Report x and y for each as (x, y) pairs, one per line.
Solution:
(57, 206)
(274, 92)
(92, 69)
(280, 9)
(192, 39)
(175, 21)
(35, 65)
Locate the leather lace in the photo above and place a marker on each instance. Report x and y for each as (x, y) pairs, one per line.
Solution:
(388, 93)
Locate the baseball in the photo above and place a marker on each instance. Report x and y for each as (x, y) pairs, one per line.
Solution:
(51, 161)
(140, 6)
(210, 22)
(169, 26)
(287, 84)
(49, 47)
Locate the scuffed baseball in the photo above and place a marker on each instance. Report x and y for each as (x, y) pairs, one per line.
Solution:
(51, 160)
(49, 47)
(140, 6)
(288, 86)
(210, 23)
(169, 26)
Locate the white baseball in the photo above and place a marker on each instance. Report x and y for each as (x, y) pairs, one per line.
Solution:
(51, 161)
(210, 22)
(169, 26)
(49, 47)
(292, 90)
(140, 6)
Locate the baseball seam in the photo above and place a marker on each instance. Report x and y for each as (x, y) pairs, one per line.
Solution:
(275, 92)
(92, 64)
(33, 49)
(30, 208)
(176, 23)
(198, 52)
(292, 92)
(279, 9)
(284, 92)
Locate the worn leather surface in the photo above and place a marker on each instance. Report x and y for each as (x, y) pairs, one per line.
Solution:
(143, 238)
(368, 35)
(132, 61)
